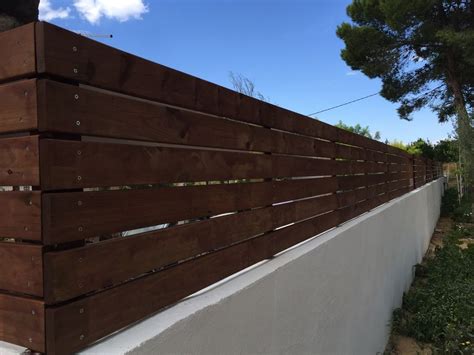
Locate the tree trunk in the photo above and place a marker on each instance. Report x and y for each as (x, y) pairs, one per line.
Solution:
(14, 13)
(464, 127)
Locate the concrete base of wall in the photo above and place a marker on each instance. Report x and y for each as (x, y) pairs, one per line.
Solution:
(332, 294)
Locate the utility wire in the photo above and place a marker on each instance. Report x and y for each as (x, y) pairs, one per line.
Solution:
(366, 97)
(344, 104)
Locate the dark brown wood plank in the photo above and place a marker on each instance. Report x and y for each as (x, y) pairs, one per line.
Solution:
(18, 106)
(105, 114)
(138, 77)
(354, 210)
(19, 161)
(354, 181)
(75, 272)
(22, 321)
(397, 193)
(287, 213)
(18, 54)
(399, 184)
(351, 197)
(285, 238)
(73, 215)
(287, 190)
(22, 268)
(70, 164)
(118, 307)
(20, 215)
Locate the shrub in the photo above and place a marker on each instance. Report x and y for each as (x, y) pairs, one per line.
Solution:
(439, 308)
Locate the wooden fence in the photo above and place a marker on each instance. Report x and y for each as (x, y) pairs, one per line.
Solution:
(95, 142)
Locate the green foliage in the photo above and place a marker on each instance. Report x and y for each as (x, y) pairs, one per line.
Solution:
(443, 151)
(421, 147)
(358, 129)
(449, 202)
(458, 211)
(422, 50)
(398, 144)
(463, 212)
(446, 151)
(439, 308)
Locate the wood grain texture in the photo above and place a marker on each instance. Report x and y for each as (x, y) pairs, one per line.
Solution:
(18, 106)
(19, 161)
(73, 216)
(20, 215)
(119, 306)
(106, 114)
(18, 52)
(21, 266)
(131, 209)
(67, 164)
(70, 164)
(128, 74)
(23, 322)
(75, 271)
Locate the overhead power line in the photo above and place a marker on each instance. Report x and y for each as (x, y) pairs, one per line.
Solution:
(366, 97)
(344, 104)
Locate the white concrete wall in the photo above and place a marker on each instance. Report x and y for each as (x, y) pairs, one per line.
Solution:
(333, 294)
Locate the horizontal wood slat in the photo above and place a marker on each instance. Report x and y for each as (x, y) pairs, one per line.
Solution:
(21, 266)
(125, 258)
(18, 106)
(18, 52)
(120, 306)
(353, 182)
(19, 161)
(287, 237)
(73, 216)
(23, 322)
(95, 142)
(76, 270)
(70, 164)
(20, 215)
(128, 74)
(286, 190)
(105, 114)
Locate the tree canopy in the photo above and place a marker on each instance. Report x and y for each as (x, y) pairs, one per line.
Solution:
(363, 131)
(444, 151)
(18, 12)
(423, 50)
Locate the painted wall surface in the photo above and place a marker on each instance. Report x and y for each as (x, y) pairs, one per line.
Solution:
(333, 294)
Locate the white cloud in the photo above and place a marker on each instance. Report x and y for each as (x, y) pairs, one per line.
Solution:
(352, 72)
(121, 10)
(48, 13)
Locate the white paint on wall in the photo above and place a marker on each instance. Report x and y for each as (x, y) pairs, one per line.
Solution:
(332, 294)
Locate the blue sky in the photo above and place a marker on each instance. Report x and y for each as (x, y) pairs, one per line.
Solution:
(287, 47)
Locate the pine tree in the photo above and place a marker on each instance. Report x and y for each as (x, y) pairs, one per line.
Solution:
(423, 51)
(14, 13)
